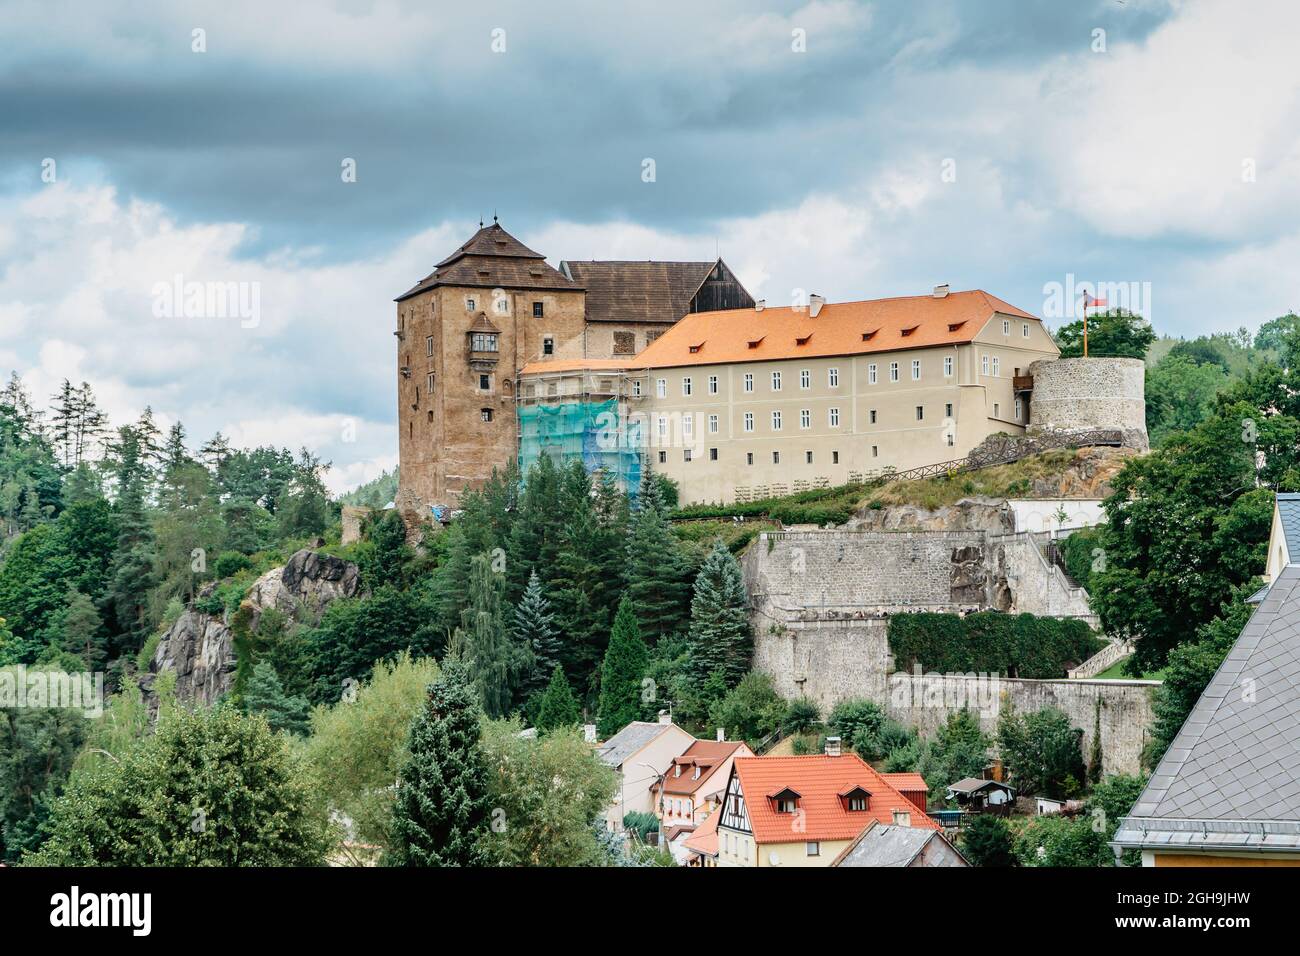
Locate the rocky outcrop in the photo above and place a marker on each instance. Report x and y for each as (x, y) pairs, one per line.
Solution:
(199, 647)
(969, 514)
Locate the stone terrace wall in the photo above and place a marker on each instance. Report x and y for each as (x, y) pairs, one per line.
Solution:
(829, 661)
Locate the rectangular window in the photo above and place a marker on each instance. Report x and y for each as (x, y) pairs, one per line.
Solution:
(814, 848)
(636, 388)
(833, 377)
(662, 426)
(661, 387)
(916, 370)
(1006, 327)
(951, 439)
(776, 381)
(483, 342)
(871, 374)
(776, 421)
(469, 305)
(1019, 403)
(833, 415)
(749, 457)
(749, 421)
(713, 385)
(663, 458)
(805, 418)
(428, 345)
(502, 305)
(873, 416)
(485, 414)
(947, 410)
(429, 383)
(749, 381)
(713, 454)
(997, 366)
(997, 410)
(920, 413)
(835, 458)
(688, 426)
(776, 458)
(875, 451)
(947, 366)
(686, 386)
(984, 365)
(686, 454)
(548, 346)
(713, 424)
(893, 371)
(805, 378)
(1024, 330)
(485, 383)
(807, 457)
(538, 310)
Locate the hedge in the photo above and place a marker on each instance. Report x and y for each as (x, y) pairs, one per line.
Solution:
(990, 642)
(815, 506)
(1077, 551)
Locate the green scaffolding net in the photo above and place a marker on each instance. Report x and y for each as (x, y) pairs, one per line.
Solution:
(591, 432)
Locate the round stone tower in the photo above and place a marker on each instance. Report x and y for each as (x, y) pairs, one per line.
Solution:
(1077, 394)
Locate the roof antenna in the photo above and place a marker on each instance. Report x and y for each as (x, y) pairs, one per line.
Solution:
(494, 215)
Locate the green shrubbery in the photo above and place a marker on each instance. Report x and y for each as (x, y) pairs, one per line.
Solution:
(988, 641)
(816, 506)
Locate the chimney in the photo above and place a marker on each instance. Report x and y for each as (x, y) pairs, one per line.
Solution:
(832, 746)
(815, 303)
(665, 717)
(902, 818)
(941, 291)
(760, 305)
(722, 734)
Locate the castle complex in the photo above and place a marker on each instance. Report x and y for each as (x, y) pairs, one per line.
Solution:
(673, 363)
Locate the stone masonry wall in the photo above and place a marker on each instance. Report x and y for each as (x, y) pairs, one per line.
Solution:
(1082, 393)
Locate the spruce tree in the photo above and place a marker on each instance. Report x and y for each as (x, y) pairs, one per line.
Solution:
(441, 814)
(626, 659)
(987, 842)
(720, 637)
(496, 662)
(131, 571)
(656, 571)
(559, 708)
(82, 631)
(265, 695)
(534, 627)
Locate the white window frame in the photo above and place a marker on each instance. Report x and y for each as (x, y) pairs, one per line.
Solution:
(997, 366)
(636, 388)
(776, 419)
(833, 377)
(805, 378)
(947, 366)
(713, 385)
(893, 371)
(833, 416)
(776, 381)
(805, 418)
(871, 374)
(428, 345)
(661, 388)
(688, 426)
(1006, 326)
(749, 381)
(984, 364)
(749, 421)
(1024, 330)
(686, 386)
(713, 424)
(916, 370)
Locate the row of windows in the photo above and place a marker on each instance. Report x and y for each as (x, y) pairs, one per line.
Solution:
(805, 419)
(501, 306)
(1024, 328)
(688, 454)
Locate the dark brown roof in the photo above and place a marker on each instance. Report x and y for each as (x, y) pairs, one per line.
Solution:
(491, 259)
(638, 291)
(483, 324)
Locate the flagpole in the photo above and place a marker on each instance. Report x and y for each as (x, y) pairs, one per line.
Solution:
(1085, 325)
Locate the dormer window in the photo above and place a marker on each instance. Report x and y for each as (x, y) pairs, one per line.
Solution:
(696, 775)
(867, 336)
(855, 800)
(802, 339)
(954, 326)
(677, 770)
(785, 801)
(755, 343)
(908, 331)
(696, 348)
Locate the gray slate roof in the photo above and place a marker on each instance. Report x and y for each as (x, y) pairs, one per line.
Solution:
(1231, 778)
(888, 845)
(628, 741)
(1288, 512)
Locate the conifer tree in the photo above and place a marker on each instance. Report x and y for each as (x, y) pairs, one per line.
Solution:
(720, 639)
(496, 662)
(265, 695)
(626, 659)
(82, 631)
(131, 571)
(441, 814)
(559, 708)
(534, 627)
(656, 571)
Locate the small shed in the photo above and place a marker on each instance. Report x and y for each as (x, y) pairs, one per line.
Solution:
(982, 796)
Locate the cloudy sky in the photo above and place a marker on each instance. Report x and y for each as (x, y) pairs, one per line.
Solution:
(852, 149)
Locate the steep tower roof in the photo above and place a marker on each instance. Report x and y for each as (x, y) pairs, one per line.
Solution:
(492, 259)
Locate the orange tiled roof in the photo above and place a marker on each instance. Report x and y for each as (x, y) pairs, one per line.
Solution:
(843, 328)
(705, 838)
(821, 783)
(708, 755)
(907, 781)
